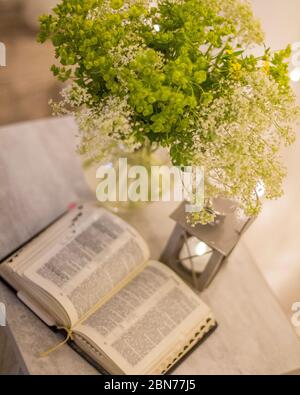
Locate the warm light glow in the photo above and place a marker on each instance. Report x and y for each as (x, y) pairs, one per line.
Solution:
(295, 46)
(156, 28)
(260, 189)
(295, 74)
(201, 248)
(195, 255)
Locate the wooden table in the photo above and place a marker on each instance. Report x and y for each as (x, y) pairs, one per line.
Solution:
(39, 176)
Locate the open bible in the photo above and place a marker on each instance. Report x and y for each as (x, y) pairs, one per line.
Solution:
(89, 273)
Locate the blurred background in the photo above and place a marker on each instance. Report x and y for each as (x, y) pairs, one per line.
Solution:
(26, 85)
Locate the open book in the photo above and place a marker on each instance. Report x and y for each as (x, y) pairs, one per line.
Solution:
(90, 274)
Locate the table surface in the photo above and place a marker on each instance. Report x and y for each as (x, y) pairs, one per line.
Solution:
(39, 176)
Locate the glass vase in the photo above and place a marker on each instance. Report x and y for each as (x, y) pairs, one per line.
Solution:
(147, 156)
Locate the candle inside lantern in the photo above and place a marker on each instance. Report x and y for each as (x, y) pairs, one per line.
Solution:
(197, 251)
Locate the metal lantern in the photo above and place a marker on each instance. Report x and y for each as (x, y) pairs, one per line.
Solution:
(197, 252)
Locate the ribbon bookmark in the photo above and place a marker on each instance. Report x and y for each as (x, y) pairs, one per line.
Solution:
(69, 335)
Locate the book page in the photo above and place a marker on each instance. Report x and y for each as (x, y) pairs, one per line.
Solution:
(141, 323)
(89, 261)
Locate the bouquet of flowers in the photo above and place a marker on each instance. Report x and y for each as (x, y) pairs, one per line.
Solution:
(193, 76)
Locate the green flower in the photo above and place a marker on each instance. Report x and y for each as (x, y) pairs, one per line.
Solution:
(177, 75)
(116, 4)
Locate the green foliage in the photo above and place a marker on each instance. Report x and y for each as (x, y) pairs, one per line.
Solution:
(181, 67)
